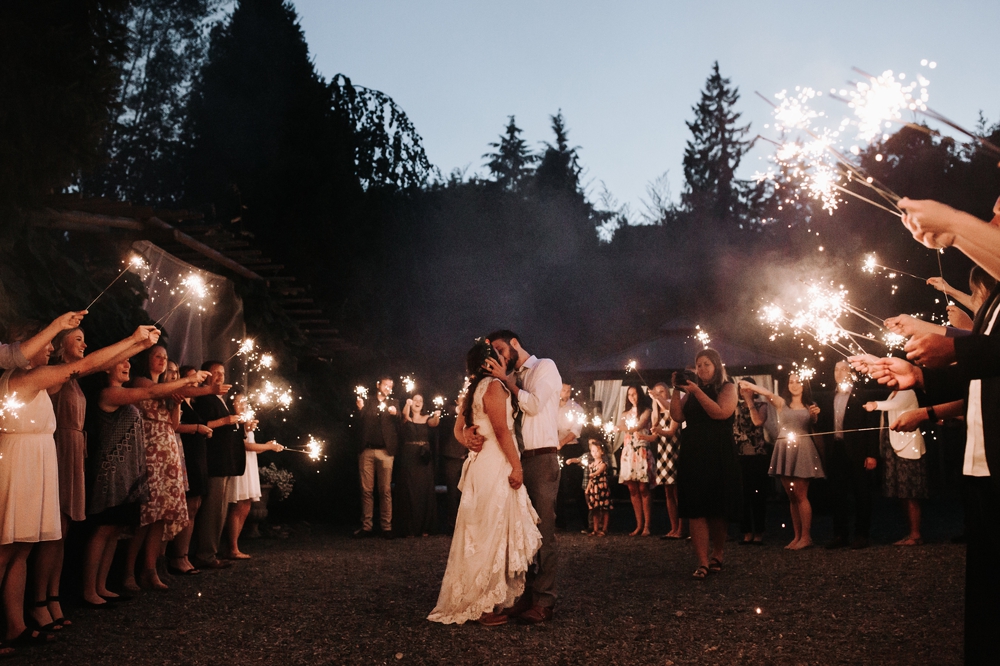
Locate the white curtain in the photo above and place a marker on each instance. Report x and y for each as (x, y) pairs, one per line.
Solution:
(198, 330)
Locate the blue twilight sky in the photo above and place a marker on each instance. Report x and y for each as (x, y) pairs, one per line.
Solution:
(627, 73)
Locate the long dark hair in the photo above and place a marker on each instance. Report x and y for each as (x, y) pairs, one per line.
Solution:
(807, 392)
(474, 360)
(642, 400)
(719, 378)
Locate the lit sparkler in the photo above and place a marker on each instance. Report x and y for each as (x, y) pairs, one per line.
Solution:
(11, 406)
(702, 336)
(314, 448)
(871, 263)
(272, 395)
(136, 263)
(194, 288)
(361, 392)
(438, 402)
(633, 366)
(409, 384)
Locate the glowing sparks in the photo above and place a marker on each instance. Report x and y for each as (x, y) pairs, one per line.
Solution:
(893, 340)
(361, 392)
(246, 347)
(881, 100)
(314, 448)
(870, 264)
(409, 384)
(702, 336)
(272, 395)
(10, 407)
(805, 373)
(247, 415)
(631, 366)
(438, 402)
(138, 264)
(266, 361)
(195, 286)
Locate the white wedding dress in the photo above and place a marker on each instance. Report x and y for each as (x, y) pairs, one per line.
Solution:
(495, 538)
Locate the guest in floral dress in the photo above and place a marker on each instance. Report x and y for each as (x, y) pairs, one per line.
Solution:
(635, 460)
(755, 461)
(165, 514)
(598, 493)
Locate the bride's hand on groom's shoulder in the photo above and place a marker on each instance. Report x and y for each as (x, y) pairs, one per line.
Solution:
(516, 477)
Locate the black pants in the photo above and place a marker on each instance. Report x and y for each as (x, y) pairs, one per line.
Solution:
(982, 571)
(755, 488)
(571, 500)
(451, 470)
(849, 480)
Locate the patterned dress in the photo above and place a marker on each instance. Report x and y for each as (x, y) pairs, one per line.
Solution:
(166, 476)
(116, 466)
(634, 465)
(598, 493)
(667, 452)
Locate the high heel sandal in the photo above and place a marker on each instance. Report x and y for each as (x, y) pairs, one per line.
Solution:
(35, 624)
(59, 621)
(30, 637)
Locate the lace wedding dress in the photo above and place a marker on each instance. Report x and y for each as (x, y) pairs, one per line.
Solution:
(495, 538)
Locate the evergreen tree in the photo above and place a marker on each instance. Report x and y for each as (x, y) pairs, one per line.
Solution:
(167, 43)
(512, 162)
(559, 167)
(714, 152)
(59, 77)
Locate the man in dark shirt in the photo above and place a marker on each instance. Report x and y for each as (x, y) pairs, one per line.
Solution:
(227, 459)
(379, 441)
(452, 455)
(850, 458)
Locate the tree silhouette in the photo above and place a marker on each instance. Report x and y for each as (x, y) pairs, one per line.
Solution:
(559, 167)
(512, 162)
(167, 43)
(59, 73)
(714, 152)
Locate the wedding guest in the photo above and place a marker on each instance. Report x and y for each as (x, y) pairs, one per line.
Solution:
(452, 454)
(904, 465)
(226, 460)
(851, 457)
(668, 449)
(379, 444)
(29, 479)
(634, 466)
(981, 285)
(795, 460)
(571, 481)
(755, 461)
(17, 353)
(164, 514)
(247, 487)
(415, 470)
(598, 493)
(117, 483)
(708, 490)
(194, 433)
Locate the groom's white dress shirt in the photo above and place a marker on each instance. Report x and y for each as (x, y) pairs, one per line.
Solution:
(538, 398)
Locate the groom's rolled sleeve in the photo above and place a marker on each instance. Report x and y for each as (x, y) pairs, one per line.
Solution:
(545, 387)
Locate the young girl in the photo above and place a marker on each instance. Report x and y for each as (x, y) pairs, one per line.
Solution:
(598, 493)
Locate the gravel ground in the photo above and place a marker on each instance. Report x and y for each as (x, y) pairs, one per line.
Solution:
(323, 598)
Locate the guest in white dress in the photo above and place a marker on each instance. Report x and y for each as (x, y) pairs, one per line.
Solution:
(29, 475)
(246, 489)
(496, 535)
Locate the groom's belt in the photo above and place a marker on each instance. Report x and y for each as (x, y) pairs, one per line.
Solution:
(531, 453)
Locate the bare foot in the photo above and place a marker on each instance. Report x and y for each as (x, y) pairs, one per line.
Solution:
(94, 600)
(635, 533)
(791, 544)
(130, 584)
(910, 541)
(802, 543)
(600, 534)
(151, 581)
(646, 533)
(107, 594)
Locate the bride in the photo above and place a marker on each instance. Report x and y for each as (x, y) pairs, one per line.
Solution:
(495, 534)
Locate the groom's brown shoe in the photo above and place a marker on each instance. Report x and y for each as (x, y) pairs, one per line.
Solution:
(489, 619)
(519, 607)
(536, 615)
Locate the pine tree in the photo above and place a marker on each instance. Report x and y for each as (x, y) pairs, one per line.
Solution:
(512, 162)
(713, 154)
(559, 167)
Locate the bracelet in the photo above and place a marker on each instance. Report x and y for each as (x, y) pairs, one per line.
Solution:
(931, 414)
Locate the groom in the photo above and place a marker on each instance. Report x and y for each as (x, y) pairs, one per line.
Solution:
(535, 384)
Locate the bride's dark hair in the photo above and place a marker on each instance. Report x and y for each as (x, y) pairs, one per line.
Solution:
(474, 361)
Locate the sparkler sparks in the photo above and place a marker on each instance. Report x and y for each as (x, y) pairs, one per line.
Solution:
(272, 395)
(11, 406)
(361, 392)
(409, 384)
(438, 402)
(702, 336)
(136, 263)
(194, 288)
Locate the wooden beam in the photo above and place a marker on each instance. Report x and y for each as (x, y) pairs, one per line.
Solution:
(103, 222)
(201, 248)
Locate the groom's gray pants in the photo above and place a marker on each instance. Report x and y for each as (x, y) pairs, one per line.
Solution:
(541, 480)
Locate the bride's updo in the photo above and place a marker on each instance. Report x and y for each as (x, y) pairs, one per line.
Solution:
(474, 361)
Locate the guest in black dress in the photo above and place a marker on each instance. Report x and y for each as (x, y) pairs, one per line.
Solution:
(708, 475)
(415, 499)
(194, 432)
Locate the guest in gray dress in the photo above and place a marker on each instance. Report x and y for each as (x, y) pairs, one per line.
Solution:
(795, 459)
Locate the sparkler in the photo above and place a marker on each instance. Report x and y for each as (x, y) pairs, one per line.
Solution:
(818, 317)
(314, 448)
(361, 392)
(702, 336)
(272, 395)
(195, 287)
(11, 406)
(633, 366)
(870, 264)
(409, 384)
(135, 262)
(438, 403)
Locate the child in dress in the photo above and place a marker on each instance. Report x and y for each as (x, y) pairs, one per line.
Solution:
(598, 493)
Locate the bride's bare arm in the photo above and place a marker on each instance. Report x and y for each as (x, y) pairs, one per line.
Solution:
(495, 406)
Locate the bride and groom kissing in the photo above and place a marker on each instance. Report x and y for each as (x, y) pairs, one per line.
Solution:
(508, 419)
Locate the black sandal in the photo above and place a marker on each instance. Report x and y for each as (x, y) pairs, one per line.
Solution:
(58, 621)
(31, 637)
(34, 624)
(701, 573)
(715, 565)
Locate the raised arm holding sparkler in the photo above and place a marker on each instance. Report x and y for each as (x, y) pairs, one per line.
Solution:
(16, 354)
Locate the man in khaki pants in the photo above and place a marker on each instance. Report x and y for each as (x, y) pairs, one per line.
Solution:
(379, 441)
